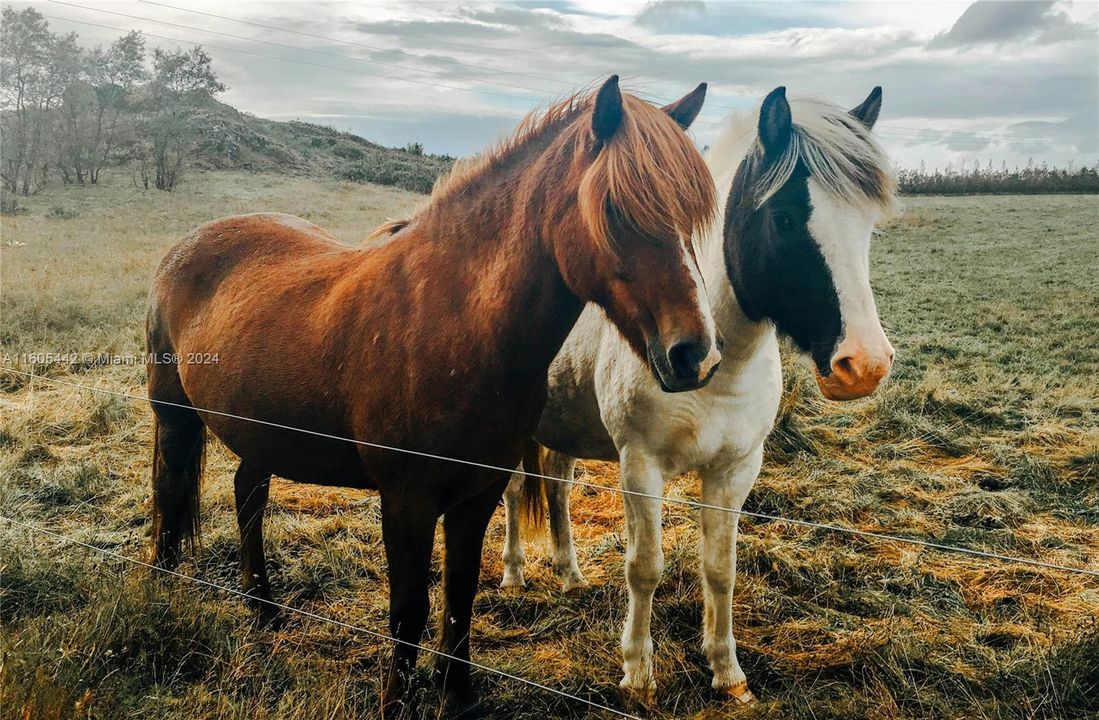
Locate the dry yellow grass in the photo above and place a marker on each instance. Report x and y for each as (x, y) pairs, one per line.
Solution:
(987, 437)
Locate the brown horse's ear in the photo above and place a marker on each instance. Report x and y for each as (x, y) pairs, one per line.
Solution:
(607, 116)
(868, 111)
(775, 124)
(686, 109)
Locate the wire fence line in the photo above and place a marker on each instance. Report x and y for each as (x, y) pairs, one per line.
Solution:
(840, 529)
(886, 130)
(314, 616)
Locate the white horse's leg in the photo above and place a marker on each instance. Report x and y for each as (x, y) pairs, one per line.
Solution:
(557, 493)
(723, 485)
(644, 565)
(514, 556)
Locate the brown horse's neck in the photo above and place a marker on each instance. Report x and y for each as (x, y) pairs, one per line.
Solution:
(490, 247)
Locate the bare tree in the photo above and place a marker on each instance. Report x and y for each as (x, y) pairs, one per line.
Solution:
(76, 111)
(116, 73)
(25, 94)
(97, 85)
(72, 124)
(182, 83)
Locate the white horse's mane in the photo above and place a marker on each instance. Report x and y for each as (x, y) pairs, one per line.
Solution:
(839, 151)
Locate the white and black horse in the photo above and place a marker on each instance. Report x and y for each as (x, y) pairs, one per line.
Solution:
(803, 183)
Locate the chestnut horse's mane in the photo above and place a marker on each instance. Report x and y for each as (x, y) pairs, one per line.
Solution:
(648, 171)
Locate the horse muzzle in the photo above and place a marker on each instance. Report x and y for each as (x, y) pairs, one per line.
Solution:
(855, 372)
(687, 365)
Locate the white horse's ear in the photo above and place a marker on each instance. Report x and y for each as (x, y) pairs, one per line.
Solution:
(775, 124)
(868, 111)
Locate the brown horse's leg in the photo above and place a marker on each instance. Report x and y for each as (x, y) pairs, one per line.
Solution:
(251, 487)
(464, 526)
(408, 530)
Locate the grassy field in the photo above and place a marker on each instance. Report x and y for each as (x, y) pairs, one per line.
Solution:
(987, 437)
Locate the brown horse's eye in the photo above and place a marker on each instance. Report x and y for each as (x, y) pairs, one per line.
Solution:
(622, 273)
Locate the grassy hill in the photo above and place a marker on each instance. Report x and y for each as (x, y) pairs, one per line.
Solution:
(234, 140)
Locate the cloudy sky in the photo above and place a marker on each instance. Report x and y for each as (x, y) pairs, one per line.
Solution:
(963, 80)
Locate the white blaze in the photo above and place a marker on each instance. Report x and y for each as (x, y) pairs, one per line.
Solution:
(702, 300)
(842, 231)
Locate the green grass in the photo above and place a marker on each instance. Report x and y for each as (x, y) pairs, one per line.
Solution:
(987, 437)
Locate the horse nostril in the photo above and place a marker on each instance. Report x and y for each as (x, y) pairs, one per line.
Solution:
(845, 368)
(685, 358)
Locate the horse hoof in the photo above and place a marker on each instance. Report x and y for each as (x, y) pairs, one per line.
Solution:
(641, 695)
(397, 709)
(466, 711)
(272, 619)
(574, 585)
(740, 693)
(513, 581)
(464, 705)
(267, 616)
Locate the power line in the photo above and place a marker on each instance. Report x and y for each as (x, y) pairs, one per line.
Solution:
(282, 45)
(315, 616)
(366, 46)
(298, 62)
(572, 481)
(715, 119)
(281, 28)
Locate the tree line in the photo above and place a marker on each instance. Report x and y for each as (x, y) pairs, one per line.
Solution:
(1033, 179)
(69, 112)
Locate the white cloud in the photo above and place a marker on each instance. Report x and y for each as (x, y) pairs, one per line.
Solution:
(499, 60)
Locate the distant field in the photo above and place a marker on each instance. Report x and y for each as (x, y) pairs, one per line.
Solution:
(987, 436)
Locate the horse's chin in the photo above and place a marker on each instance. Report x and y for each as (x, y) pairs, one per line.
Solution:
(841, 392)
(656, 370)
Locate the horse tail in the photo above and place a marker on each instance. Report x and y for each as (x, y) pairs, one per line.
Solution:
(389, 227)
(179, 453)
(534, 508)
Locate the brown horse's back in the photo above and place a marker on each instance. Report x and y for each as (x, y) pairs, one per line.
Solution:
(194, 269)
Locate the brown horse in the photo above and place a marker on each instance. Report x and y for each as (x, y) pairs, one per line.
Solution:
(436, 341)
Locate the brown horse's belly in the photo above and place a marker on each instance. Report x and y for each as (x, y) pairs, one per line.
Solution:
(293, 455)
(289, 428)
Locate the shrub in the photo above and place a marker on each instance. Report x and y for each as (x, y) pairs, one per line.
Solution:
(390, 171)
(60, 212)
(9, 205)
(347, 152)
(1032, 179)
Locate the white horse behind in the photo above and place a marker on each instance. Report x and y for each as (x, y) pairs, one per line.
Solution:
(803, 184)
